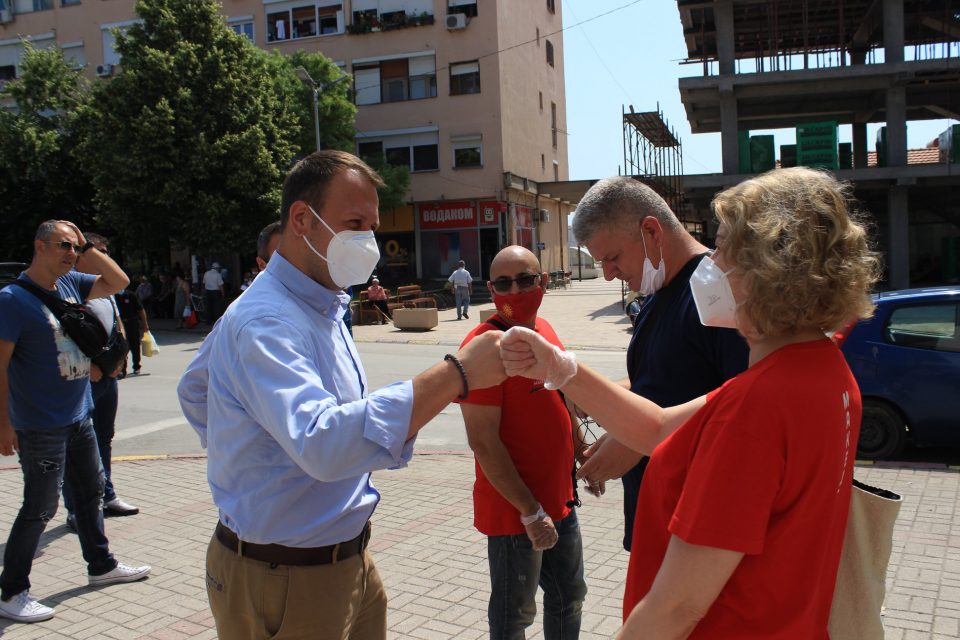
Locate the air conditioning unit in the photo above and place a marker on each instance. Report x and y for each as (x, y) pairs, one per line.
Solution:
(6, 15)
(456, 21)
(544, 215)
(104, 70)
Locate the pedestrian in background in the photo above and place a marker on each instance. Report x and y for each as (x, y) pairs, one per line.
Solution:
(104, 393)
(377, 295)
(213, 292)
(462, 288)
(45, 414)
(181, 298)
(135, 324)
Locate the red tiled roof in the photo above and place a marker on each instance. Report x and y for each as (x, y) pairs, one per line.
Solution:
(930, 155)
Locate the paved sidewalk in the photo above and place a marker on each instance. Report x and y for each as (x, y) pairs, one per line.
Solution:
(432, 560)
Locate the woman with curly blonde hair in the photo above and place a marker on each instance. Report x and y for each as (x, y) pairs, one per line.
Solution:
(742, 513)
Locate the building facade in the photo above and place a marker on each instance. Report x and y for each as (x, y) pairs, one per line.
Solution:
(469, 94)
(794, 63)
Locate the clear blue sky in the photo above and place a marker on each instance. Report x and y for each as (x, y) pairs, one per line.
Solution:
(632, 56)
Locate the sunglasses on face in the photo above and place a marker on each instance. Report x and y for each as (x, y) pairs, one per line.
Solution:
(524, 281)
(65, 245)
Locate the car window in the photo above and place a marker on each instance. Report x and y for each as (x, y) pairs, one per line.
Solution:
(925, 327)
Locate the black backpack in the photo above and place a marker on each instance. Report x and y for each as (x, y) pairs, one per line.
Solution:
(105, 351)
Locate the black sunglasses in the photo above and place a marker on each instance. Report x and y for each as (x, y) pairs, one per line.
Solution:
(66, 245)
(524, 281)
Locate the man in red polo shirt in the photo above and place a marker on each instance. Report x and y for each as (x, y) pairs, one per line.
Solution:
(522, 438)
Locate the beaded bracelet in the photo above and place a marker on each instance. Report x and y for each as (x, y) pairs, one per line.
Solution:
(463, 375)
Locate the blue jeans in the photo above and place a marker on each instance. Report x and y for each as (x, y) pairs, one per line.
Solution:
(463, 299)
(45, 455)
(515, 571)
(105, 401)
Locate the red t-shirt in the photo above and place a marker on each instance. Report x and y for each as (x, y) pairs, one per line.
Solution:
(764, 468)
(535, 429)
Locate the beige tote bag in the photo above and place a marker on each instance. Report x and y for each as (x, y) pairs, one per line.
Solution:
(861, 578)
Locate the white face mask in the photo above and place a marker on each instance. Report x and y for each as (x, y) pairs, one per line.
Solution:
(713, 296)
(652, 278)
(351, 255)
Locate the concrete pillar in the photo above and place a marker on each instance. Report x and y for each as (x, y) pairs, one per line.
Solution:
(723, 16)
(860, 148)
(897, 126)
(893, 30)
(898, 255)
(729, 142)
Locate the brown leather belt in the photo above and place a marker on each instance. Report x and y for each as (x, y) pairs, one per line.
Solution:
(293, 556)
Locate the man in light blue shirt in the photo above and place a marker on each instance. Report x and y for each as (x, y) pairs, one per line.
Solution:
(462, 288)
(280, 398)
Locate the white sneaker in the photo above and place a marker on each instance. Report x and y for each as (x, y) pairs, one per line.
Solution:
(23, 608)
(122, 573)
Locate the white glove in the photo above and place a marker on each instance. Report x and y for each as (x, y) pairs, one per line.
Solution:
(525, 353)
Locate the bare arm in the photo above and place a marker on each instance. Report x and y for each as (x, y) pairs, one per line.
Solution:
(8, 437)
(483, 434)
(689, 580)
(144, 327)
(633, 420)
(437, 387)
(111, 279)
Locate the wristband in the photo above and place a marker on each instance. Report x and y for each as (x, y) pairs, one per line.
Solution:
(463, 375)
(539, 515)
(87, 247)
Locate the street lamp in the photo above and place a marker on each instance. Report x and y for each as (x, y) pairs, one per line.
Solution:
(306, 79)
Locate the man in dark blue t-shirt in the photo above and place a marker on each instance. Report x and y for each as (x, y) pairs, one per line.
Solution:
(45, 405)
(672, 358)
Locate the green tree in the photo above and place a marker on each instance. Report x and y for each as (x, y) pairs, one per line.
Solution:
(337, 115)
(190, 141)
(40, 177)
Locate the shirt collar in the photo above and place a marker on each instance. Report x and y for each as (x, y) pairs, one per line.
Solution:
(328, 303)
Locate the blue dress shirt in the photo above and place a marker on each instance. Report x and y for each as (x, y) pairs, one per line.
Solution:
(280, 400)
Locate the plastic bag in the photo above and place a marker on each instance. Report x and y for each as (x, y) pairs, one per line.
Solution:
(191, 321)
(148, 345)
(187, 311)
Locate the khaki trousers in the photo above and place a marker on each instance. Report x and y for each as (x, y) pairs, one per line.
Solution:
(253, 600)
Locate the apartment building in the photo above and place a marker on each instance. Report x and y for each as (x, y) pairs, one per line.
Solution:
(469, 94)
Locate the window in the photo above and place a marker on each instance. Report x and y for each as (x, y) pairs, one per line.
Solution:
(299, 19)
(74, 53)
(925, 327)
(543, 162)
(538, 36)
(556, 171)
(464, 78)
(8, 72)
(467, 152)
(395, 79)
(466, 7)
(370, 152)
(549, 53)
(416, 149)
(29, 6)
(243, 27)
(553, 123)
(552, 6)
(67, 3)
(110, 53)
(426, 157)
(541, 100)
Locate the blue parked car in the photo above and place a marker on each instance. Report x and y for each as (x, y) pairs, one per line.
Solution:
(907, 362)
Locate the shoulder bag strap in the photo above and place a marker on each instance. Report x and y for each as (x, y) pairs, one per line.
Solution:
(53, 303)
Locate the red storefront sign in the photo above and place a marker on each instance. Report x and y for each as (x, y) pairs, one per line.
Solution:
(491, 210)
(448, 215)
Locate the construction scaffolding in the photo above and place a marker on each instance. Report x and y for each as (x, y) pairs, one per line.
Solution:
(653, 154)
